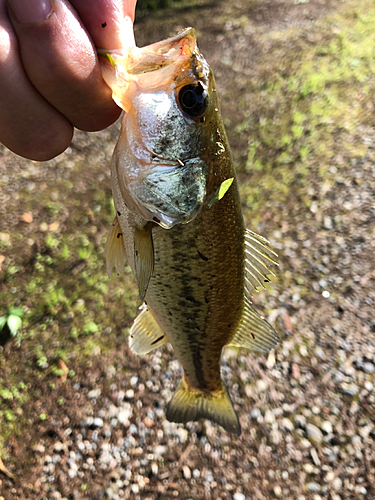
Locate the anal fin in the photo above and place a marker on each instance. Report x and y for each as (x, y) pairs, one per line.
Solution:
(254, 332)
(115, 249)
(143, 258)
(145, 333)
(187, 404)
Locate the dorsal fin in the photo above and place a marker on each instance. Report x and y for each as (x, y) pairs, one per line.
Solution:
(145, 333)
(257, 258)
(254, 332)
(115, 249)
(143, 258)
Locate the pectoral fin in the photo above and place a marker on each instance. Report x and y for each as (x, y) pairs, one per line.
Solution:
(254, 332)
(145, 334)
(115, 249)
(143, 258)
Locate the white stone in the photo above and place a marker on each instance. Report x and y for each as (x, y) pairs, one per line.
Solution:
(160, 450)
(186, 472)
(326, 427)
(262, 385)
(239, 496)
(269, 417)
(287, 424)
(94, 394)
(314, 433)
(337, 483)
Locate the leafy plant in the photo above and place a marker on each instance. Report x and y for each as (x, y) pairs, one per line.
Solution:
(12, 320)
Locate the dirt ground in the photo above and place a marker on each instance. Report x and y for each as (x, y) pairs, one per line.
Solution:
(81, 417)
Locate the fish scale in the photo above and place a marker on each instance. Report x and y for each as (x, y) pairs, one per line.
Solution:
(210, 283)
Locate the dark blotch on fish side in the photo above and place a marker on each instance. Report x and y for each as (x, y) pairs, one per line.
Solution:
(118, 213)
(203, 257)
(104, 25)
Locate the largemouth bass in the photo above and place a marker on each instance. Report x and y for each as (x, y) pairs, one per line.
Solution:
(179, 223)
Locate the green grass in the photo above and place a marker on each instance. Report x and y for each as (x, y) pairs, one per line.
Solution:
(308, 107)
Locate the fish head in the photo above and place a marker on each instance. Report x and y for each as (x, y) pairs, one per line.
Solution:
(167, 91)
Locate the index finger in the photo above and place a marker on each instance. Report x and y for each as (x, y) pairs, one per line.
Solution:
(104, 20)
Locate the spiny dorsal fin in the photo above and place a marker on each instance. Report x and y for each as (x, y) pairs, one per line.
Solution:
(254, 332)
(115, 249)
(143, 258)
(145, 333)
(187, 405)
(257, 257)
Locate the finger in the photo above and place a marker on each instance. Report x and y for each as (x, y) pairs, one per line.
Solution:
(29, 125)
(61, 62)
(104, 20)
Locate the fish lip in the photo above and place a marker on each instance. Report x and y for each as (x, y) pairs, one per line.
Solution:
(167, 43)
(157, 55)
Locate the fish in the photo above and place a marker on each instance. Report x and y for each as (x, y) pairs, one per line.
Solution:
(179, 223)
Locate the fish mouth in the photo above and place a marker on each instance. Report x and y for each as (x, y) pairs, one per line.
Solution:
(138, 60)
(132, 69)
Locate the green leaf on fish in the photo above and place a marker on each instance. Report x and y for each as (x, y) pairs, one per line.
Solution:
(221, 190)
(109, 57)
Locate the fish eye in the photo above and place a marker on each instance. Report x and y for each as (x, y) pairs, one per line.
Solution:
(193, 99)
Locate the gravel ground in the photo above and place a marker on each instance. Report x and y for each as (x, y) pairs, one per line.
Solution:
(306, 409)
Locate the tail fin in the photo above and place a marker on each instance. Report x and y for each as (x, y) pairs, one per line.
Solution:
(187, 405)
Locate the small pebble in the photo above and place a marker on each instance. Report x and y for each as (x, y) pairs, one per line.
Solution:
(314, 433)
(269, 417)
(239, 496)
(326, 427)
(129, 394)
(313, 487)
(97, 422)
(337, 483)
(287, 424)
(278, 491)
(94, 394)
(255, 413)
(160, 450)
(186, 472)
(262, 385)
(314, 456)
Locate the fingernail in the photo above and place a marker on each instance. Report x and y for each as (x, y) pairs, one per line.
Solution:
(30, 11)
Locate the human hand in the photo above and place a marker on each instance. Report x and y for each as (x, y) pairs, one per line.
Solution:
(50, 77)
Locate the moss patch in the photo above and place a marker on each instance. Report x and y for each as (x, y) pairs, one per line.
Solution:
(308, 107)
